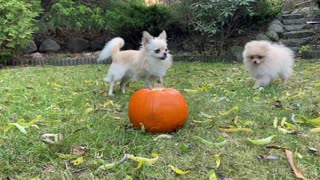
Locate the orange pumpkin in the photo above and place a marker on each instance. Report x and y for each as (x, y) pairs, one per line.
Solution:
(160, 110)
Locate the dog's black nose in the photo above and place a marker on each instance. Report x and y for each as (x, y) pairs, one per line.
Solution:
(164, 56)
(255, 62)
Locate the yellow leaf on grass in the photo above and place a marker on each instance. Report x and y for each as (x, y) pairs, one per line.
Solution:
(212, 175)
(206, 115)
(77, 161)
(106, 166)
(163, 136)
(262, 141)
(283, 121)
(191, 91)
(285, 131)
(275, 122)
(20, 127)
(221, 141)
(87, 111)
(217, 159)
(109, 102)
(315, 130)
(293, 164)
(141, 160)
(231, 130)
(234, 108)
(66, 156)
(177, 170)
(201, 140)
(30, 123)
(313, 122)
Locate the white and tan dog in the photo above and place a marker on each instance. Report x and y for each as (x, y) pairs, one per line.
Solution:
(150, 62)
(266, 62)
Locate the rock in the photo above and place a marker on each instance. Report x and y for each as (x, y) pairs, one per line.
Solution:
(299, 34)
(236, 52)
(295, 27)
(36, 55)
(294, 21)
(262, 37)
(49, 45)
(276, 28)
(276, 21)
(77, 44)
(294, 15)
(96, 45)
(307, 11)
(297, 42)
(273, 36)
(31, 47)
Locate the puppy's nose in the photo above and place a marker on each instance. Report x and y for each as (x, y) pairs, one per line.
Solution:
(255, 62)
(164, 56)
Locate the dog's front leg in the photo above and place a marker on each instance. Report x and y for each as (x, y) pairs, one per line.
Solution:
(112, 83)
(262, 82)
(123, 84)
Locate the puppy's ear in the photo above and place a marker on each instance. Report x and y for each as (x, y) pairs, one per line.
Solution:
(163, 35)
(146, 37)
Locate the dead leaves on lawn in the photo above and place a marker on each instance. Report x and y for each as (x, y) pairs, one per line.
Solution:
(293, 164)
(22, 126)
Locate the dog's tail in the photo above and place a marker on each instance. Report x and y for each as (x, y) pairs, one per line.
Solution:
(111, 48)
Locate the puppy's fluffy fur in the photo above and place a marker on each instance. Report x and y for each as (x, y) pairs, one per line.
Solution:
(266, 62)
(150, 62)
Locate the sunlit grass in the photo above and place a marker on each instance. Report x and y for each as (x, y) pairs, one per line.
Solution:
(72, 101)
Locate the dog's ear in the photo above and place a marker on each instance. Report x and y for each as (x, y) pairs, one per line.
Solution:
(163, 35)
(146, 37)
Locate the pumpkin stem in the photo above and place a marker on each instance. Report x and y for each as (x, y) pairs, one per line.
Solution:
(157, 87)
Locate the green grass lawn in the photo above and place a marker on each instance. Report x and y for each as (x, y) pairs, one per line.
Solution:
(73, 101)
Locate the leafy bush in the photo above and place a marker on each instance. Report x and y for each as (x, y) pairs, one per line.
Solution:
(221, 18)
(17, 24)
(128, 20)
(73, 15)
(303, 49)
(211, 18)
(266, 9)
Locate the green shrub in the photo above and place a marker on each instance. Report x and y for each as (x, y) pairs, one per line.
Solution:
(303, 49)
(73, 15)
(220, 19)
(128, 20)
(17, 24)
(267, 9)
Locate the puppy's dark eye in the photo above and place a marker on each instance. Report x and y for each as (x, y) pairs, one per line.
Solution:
(166, 50)
(157, 51)
(260, 57)
(251, 57)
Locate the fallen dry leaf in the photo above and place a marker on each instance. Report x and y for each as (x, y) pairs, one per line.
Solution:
(293, 164)
(78, 150)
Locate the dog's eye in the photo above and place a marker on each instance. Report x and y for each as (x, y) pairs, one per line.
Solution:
(157, 50)
(260, 57)
(251, 57)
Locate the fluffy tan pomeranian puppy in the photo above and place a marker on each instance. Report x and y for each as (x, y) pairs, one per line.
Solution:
(266, 62)
(150, 62)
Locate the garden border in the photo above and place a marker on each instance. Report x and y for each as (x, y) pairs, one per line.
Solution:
(93, 60)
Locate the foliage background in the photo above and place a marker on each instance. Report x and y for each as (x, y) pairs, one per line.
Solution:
(188, 22)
